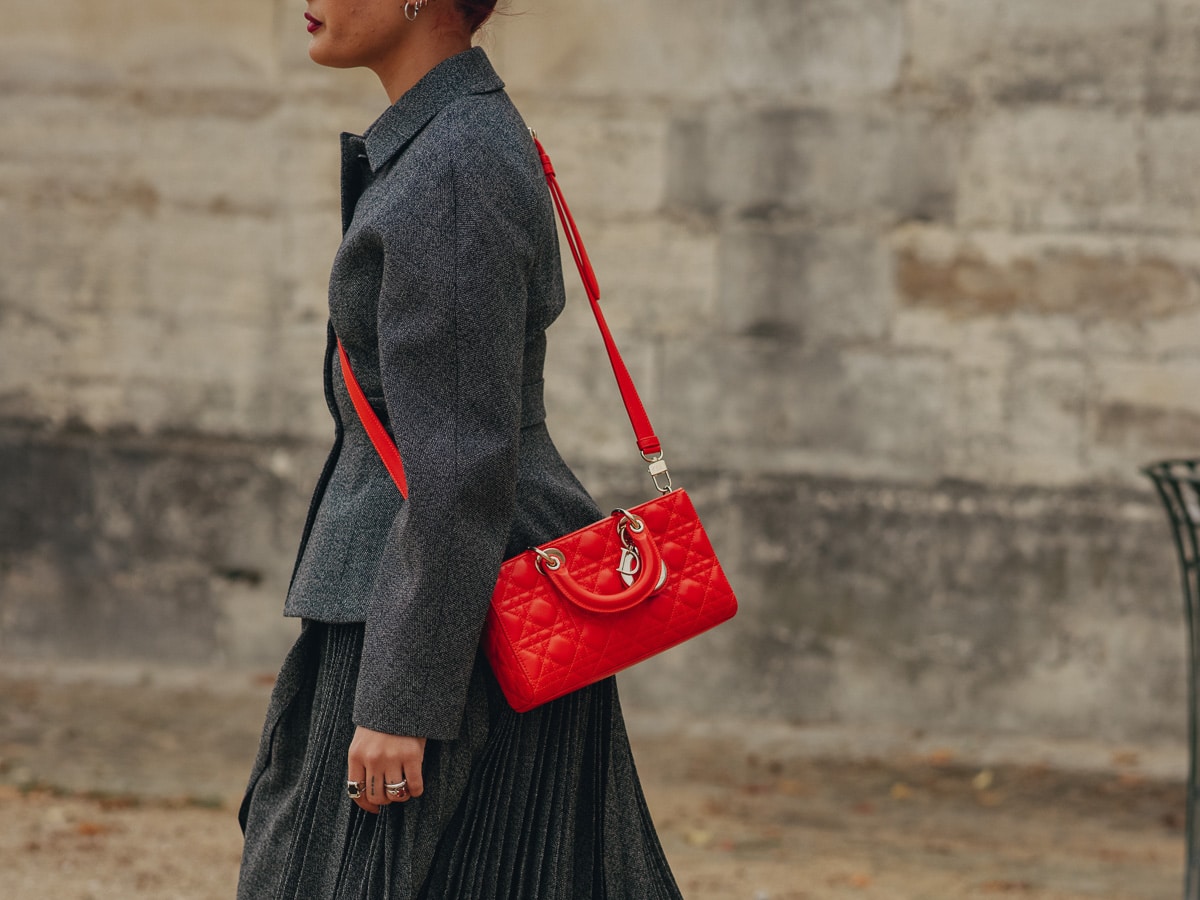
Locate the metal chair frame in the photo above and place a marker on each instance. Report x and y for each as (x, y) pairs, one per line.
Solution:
(1178, 484)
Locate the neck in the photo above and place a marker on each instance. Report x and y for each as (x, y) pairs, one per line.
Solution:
(430, 43)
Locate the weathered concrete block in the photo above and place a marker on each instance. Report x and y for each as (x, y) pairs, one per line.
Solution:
(1145, 411)
(657, 279)
(1173, 69)
(667, 49)
(215, 163)
(1126, 436)
(1046, 421)
(128, 31)
(804, 284)
(307, 244)
(872, 602)
(609, 166)
(1175, 336)
(1051, 167)
(116, 550)
(1162, 384)
(854, 411)
(978, 432)
(967, 275)
(818, 165)
(814, 48)
(291, 390)
(136, 312)
(1171, 172)
(1030, 52)
(583, 405)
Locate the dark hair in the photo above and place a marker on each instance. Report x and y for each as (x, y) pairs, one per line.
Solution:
(475, 12)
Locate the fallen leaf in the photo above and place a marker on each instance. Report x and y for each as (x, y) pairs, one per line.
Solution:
(757, 789)
(1125, 758)
(111, 802)
(92, 829)
(941, 757)
(1173, 819)
(698, 837)
(1006, 887)
(901, 791)
(983, 780)
(790, 787)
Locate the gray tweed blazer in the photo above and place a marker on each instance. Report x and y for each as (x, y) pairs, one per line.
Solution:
(446, 279)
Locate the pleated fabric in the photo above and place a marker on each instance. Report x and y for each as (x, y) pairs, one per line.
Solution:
(544, 805)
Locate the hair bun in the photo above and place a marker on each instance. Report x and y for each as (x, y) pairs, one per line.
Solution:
(476, 12)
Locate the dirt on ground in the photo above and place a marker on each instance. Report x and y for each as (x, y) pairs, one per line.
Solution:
(126, 788)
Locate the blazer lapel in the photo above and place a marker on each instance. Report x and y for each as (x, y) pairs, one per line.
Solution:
(355, 174)
(459, 76)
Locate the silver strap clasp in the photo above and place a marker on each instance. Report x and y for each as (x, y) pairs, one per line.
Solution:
(658, 471)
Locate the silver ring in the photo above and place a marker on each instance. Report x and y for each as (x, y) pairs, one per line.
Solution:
(398, 789)
(552, 559)
(629, 520)
(354, 789)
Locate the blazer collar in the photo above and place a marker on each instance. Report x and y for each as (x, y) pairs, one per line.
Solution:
(459, 76)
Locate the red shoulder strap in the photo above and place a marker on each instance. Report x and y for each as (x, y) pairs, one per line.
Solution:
(383, 442)
(647, 442)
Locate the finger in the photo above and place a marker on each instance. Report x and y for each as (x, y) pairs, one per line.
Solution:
(397, 789)
(376, 793)
(412, 773)
(362, 804)
(355, 782)
(361, 799)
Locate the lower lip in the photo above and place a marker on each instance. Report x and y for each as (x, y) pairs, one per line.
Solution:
(314, 25)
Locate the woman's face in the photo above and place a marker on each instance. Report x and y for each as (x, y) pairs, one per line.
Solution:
(350, 33)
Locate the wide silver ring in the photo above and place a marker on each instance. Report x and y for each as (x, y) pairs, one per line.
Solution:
(399, 789)
(354, 789)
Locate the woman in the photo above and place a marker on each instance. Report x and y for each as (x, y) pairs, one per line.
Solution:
(446, 279)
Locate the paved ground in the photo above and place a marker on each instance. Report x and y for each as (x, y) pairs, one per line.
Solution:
(122, 785)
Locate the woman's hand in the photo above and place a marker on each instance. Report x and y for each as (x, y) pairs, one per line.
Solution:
(377, 759)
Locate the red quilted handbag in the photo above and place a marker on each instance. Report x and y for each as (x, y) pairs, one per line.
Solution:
(598, 600)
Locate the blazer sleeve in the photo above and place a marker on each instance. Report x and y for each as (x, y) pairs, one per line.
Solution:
(451, 322)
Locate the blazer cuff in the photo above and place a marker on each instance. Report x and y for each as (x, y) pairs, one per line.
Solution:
(410, 704)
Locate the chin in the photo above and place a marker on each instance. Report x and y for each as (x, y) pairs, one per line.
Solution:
(323, 55)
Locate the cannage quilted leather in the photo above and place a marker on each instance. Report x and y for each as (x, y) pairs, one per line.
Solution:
(542, 645)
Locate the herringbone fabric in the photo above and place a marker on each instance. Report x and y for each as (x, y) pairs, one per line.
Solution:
(536, 806)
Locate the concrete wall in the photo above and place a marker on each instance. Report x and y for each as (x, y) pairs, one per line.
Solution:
(912, 286)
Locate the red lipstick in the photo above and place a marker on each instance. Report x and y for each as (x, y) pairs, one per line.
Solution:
(313, 23)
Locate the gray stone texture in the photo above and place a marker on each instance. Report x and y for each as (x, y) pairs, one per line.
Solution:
(912, 288)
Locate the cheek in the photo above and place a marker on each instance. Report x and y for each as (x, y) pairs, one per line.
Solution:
(340, 47)
(358, 33)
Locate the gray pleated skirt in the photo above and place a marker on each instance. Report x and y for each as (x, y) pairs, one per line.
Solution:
(544, 805)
